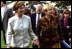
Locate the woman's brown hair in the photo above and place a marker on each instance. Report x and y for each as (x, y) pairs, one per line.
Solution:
(66, 11)
(17, 5)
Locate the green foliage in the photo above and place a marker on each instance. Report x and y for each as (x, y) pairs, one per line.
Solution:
(2, 41)
(62, 4)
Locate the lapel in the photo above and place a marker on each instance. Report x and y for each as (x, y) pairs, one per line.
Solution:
(63, 22)
(42, 15)
(6, 8)
(35, 19)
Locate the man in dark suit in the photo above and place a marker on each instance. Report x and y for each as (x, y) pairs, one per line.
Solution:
(6, 13)
(34, 19)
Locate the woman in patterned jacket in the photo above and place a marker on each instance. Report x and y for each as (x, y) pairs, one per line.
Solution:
(48, 28)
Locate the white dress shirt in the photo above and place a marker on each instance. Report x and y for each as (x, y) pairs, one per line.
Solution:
(3, 10)
(37, 18)
(19, 31)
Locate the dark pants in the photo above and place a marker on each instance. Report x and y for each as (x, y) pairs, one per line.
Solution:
(4, 37)
(62, 45)
(35, 46)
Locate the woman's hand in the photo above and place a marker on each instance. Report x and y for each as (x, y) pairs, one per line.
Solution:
(68, 27)
(69, 39)
(8, 47)
(36, 42)
(63, 40)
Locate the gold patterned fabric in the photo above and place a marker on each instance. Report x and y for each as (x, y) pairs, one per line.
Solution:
(49, 30)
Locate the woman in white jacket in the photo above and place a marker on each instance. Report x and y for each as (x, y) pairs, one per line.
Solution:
(20, 29)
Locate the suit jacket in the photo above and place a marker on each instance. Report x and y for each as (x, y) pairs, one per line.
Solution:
(64, 29)
(33, 20)
(7, 14)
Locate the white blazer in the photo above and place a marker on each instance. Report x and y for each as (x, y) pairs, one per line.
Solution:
(19, 31)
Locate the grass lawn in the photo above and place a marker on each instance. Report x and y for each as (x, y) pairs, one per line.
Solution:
(2, 41)
(3, 44)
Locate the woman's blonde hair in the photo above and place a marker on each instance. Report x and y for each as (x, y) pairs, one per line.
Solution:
(48, 7)
(17, 5)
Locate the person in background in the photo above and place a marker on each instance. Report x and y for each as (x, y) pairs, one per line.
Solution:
(27, 12)
(66, 26)
(6, 13)
(20, 29)
(34, 19)
(50, 27)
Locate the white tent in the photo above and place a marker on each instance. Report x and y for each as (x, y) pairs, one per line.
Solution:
(11, 5)
(69, 7)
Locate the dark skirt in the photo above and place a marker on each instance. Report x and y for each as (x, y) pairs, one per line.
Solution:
(49, 44)
(54, 45)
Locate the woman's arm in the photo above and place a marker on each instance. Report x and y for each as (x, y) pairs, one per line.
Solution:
(38, 30)
(31, 31)
(9, 34)
(60, 28)
(35, 38)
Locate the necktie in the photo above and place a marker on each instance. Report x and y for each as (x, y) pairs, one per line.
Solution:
(38, 17)
(37, 20)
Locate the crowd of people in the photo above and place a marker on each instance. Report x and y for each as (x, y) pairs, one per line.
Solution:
(44, 26)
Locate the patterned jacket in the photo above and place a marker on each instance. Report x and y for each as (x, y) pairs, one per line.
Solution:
(51, 31)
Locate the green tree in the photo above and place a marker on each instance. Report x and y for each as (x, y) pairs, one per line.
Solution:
(62, 4)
